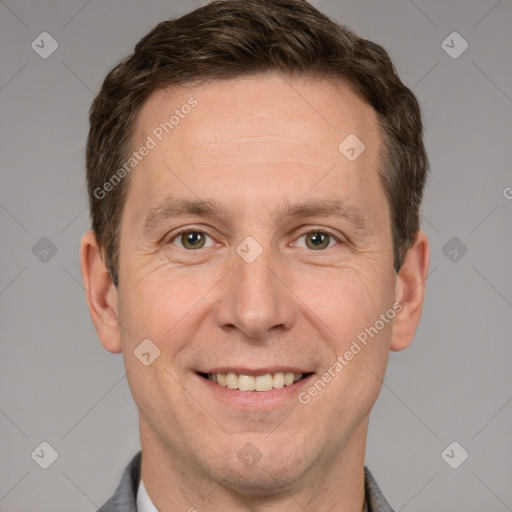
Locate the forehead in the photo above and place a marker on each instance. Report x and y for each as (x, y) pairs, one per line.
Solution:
(260, 136)
(260, 106)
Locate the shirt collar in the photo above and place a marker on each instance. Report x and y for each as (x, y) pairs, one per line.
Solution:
(144, 503)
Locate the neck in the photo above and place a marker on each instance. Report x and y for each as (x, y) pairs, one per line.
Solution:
(331, 484)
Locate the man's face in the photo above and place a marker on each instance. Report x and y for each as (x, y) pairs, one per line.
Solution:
(258, 286)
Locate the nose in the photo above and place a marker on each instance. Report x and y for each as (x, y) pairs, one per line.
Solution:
(255, 297)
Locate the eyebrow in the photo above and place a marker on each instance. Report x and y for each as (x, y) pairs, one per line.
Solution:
(180, 207)
(323, 208)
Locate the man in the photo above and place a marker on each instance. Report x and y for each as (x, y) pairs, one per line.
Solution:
(255, 174)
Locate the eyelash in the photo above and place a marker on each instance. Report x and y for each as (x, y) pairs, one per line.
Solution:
(192, 229)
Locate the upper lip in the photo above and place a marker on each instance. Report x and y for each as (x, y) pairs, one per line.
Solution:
(255, 371)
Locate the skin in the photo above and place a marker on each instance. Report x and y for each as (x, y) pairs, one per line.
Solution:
(252, 144)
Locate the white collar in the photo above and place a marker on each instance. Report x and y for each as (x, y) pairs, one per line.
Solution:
(144, 503)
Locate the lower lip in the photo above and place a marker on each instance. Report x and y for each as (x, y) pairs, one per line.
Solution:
(252, 400)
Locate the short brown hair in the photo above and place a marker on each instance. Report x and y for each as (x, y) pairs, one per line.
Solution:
(237, 38)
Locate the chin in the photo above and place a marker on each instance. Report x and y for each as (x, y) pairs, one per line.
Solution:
(262, 479)
(272, 469)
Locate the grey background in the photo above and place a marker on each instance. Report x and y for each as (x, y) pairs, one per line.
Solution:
(453, 384)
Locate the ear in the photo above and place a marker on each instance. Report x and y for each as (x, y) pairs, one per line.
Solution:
(410, 292)
(101, 293)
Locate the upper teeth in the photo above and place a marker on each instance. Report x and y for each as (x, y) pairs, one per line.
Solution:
(251, 383)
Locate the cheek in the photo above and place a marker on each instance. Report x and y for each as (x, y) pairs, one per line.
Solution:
(159, 397)
(167, 309)
(350, 300)
(157, 301)
(364, 326)
(359, 342)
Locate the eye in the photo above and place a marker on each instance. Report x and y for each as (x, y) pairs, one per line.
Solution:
(318, 240)
(190, 239)
(193, 239)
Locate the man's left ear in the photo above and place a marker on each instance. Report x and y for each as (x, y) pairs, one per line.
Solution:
(410, 292)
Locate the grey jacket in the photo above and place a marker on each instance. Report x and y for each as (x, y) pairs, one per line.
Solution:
(125, 497)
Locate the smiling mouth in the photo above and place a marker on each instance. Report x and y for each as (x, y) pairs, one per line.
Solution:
(266, 382)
